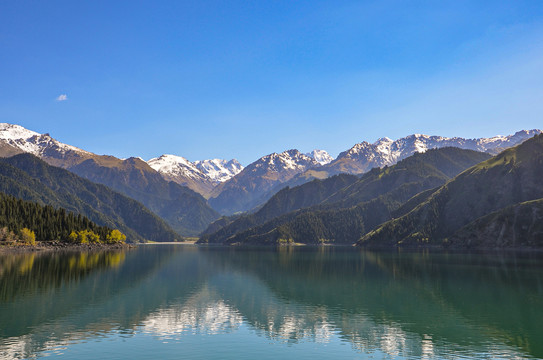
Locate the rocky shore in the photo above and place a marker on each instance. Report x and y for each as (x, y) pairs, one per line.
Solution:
(60, 246)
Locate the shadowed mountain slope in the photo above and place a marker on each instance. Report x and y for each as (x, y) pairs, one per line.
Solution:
(322, 211)
(512, 177)
(183, 209)
(29, 178)
(252, 185)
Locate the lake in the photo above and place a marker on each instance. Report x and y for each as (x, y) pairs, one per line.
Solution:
(184, 301)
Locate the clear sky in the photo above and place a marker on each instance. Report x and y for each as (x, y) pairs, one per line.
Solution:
(241, 79)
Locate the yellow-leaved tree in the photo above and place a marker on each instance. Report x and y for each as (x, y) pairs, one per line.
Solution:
(84, 237)
(115, 236)
(92, 237)
(28, 236)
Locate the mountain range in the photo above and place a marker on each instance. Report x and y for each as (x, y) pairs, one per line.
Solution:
(269, 174)
(200, 176)
(342, 208)
(489, 198)
(27, 177)
(364, 156)
(186, 211)
(252, 185)
(281, 195)
(446, 197)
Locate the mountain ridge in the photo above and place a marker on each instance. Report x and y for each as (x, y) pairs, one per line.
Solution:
(245, 190)
(183, 209)
(27, 177)
(512, 177)
(323, 210)
(186, 211)
(364, 156)
(201, 176)
(359, 159)
(228, 187)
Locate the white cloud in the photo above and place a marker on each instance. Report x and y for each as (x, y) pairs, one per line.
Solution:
(62, 97)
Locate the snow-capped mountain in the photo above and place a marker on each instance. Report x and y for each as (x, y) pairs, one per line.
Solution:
(183, 209)
(219, 170)
(287, 162)
(321, 156)
(232, 187)
(41, 145)
(364, 156)
(173, 166)
(252, 184)
(214, 170)
(200, 176)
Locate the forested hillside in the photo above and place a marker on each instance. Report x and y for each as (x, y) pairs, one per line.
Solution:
(29, 222)
(29, 178)
(183, 209)
(512, 177)
(323, 212)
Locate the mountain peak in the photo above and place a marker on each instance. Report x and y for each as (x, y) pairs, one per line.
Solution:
(170, 159)
(35, 143)
(259, 179)
(529, 133)
(12, 131)
(219, 170)
(320, 156)
(291, 159)
(176, 168)
(383, 140)
(201, 176)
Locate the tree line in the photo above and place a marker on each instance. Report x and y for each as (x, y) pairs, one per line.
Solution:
(28, 222)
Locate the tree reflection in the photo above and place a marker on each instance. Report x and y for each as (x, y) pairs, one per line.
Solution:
(31, 272)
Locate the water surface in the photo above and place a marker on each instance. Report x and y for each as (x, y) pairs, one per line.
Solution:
(182, 301)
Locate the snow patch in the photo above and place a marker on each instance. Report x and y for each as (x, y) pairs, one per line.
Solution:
(213, 170)
(388, 152)
(320, 156)
(219, 170)
(32, 142)
(287, 161)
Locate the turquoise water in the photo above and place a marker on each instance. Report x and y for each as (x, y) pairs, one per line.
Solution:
(182, 301)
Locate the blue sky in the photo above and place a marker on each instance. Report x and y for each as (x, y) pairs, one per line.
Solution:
(241, 79)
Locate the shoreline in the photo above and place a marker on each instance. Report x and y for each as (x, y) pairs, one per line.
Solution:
(405, 248)
(46, 246)
(188, 242)
(49, 246)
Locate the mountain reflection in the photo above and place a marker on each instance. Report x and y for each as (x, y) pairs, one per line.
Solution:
(202, 313)
(419, 305)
